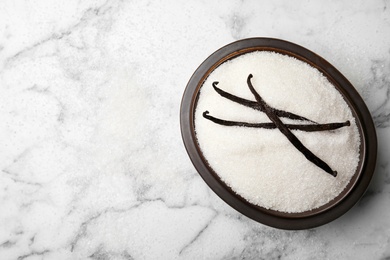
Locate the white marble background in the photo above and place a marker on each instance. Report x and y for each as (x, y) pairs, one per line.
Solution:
(91, 157)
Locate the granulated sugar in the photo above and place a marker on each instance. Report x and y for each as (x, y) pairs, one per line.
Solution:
(260, 164)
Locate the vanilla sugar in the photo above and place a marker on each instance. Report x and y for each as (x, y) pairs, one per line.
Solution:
(262, 165)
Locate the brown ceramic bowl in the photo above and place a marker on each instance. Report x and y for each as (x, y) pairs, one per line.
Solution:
(293, 221)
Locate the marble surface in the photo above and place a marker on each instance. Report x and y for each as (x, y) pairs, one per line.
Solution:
(91, 157)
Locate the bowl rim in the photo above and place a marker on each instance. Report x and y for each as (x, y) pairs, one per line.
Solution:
(290, 221)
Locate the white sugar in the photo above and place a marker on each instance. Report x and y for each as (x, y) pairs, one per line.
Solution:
(260, 164)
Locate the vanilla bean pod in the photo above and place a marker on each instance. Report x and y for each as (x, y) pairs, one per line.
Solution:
(302, 127)
(255, 105)
(290, 136)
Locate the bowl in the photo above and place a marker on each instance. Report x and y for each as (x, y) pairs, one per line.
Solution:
(321, 215)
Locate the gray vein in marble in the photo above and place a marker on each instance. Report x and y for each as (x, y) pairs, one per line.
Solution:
(381, 80)
(386, 255)
(83, 227)
(384, 169)
(102, 254)
(261, 239)
(13, 177)
(46, 91)
(8, 244)
(236, 24)
(88, 14)
(197, 236)
(143, 201)
(34, 253)
(54, 36)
